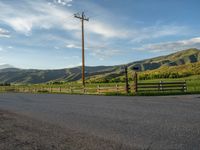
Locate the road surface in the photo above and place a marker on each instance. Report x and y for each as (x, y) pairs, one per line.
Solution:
(169, 122)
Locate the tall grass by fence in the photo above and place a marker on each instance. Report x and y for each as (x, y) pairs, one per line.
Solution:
(101, 89)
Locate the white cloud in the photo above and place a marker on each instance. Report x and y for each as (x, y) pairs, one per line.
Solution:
(20, 25)
(73, 46)
(4, 33)
(2, 49)
(171, 46)
(71, 57)
(63, 2)
(104, 53)
(157, 31)
(106, 30)
(36, 14)
(10, 47)
(69, 5)
(57, 48)
(45, 15)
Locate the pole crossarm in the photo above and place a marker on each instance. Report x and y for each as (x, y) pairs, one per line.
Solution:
(82, 16)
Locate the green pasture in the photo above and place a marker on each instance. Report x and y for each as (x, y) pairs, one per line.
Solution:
(193, 86)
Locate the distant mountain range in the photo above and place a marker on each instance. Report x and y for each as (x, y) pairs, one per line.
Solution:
(100, 73)
(4, 66)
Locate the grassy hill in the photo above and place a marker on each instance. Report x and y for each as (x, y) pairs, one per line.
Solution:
(12, 75)
(179, 64)
(172, 71)
(186, 62)
(175, 59)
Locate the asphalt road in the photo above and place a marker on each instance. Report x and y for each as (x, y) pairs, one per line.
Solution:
(170, 122)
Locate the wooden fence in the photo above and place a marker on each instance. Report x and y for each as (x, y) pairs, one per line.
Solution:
(162, 87)
(99, 89)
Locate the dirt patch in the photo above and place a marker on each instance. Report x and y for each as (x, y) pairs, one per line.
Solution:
(22, 133)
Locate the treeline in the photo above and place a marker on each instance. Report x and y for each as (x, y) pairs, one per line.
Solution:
(172, 75)
(172, 72)
(144, 76)
(56, 83)
(5, 84)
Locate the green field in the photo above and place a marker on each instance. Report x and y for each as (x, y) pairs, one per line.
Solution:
(193, 86)
(193, 82)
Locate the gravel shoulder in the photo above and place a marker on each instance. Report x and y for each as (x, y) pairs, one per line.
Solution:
(19, 132)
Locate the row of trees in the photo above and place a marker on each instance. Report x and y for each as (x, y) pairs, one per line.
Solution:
(143, 76)
(147, 76)
(5, 84)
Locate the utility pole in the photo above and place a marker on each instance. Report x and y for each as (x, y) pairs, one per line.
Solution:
(83, 18)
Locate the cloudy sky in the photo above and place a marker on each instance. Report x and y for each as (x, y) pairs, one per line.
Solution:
(44, 34)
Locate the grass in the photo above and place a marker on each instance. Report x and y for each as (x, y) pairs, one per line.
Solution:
(193, 87)
(193, 82)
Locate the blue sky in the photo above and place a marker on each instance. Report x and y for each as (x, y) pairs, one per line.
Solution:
(43, 34)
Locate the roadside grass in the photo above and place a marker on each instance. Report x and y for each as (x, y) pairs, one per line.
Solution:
(193, 83)
(193, 87)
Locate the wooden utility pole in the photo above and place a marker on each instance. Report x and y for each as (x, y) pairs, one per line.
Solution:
(83, 18)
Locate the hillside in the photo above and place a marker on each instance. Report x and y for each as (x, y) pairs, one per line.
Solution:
(4, 66)
(172, 71)
(12, 75)
(175, 59)
(182, 59)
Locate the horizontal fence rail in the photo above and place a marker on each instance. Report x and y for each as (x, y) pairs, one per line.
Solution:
(162, 86)
(99, 89)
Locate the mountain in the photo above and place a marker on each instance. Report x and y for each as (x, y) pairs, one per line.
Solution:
(12, 75)
(161, 64)
(100, 73)
(4, 66)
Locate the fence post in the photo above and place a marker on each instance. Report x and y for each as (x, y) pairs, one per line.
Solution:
(126, 79)
(185, 87)
(117, 88)
(161, 86)
(71, 90)
(135, 85)
(83, 89)
(98, 89)
(60, 89)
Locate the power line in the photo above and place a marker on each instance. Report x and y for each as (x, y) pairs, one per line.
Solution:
(83, 18)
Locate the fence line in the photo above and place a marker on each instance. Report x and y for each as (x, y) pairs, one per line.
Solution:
(100, 89)
(65, 89)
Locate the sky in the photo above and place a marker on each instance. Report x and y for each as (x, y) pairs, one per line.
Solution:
(43, 34)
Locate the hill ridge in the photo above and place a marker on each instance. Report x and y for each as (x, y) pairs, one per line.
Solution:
(114, 73)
